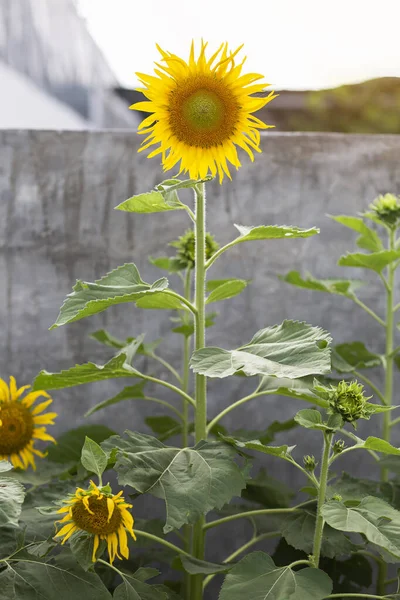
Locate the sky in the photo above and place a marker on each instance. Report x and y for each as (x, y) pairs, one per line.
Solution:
(296, 44)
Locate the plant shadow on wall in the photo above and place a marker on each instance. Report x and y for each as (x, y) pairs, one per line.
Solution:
(343, 536)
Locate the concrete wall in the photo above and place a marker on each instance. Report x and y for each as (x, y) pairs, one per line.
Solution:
(57, 223)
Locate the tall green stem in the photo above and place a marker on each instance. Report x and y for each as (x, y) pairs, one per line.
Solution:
(201, 383)
(323, 480)
(389, 348)
(187, 530)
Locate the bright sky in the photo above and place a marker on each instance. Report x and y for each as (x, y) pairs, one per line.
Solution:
(297, 44)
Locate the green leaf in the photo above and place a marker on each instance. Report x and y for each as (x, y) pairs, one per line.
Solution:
(62, 579)
(192, 481)
(267, 491)
(353, 356)
(257, 577)
(369, 239)
(133, 587)
(121, 285)
(376, 261)
(194, 566)
(374, 518)
(170, 185)
(301, 388)
(187, 329)
(310, 419)
(12, 496)
(86, 373)
(279, 451)
(271, 232)
(172, 265)
(93, 457)
(222, 289)
(81, 545)
(292, 350)
(69, 445)
(160, 300)
(104, 337)
(353, 489)
(151, 202)
(299, 530)
(343, 287)
(164, 426)
(132, 392)
(374, 443)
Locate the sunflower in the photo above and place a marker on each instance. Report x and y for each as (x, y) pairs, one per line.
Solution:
(99, 512)
(21, 424)
(201, 110)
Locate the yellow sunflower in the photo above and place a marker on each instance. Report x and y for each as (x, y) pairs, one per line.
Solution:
(21, 424)
(201, 110)
(99, 512)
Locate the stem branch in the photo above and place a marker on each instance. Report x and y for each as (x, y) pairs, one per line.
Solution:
(323, 480)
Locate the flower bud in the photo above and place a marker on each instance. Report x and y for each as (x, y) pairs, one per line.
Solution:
(387, 209)
(309, 463)
(349, 401)
(338, 446)
(337, 497)
(186, 248)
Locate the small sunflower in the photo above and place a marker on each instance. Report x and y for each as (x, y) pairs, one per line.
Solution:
(201, 110)
(99, 512)
(21, 424)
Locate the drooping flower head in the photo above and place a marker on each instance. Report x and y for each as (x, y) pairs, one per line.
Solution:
(186, 248)
(99, 512)
(201, 110)
(22, 424)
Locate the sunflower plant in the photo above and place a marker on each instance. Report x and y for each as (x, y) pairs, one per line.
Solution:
(73, 528)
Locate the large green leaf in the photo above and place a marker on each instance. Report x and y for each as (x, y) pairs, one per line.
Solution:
(86, 373)
(222, 289)
(311, 419)
(373, 517)
(343, 287)
(376, 261)
(121, 285)
(62, 578)
(353, 356)
(299, 530)
(257, 577)
(104, 337)
(292, 350)
(192, 481)
(132, 392)
(369, 239)
(69, 445)
(301, 388)
(194, 566)
(11, 497)
(164, 426)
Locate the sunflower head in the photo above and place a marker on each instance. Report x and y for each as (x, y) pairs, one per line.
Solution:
(186, 248)
(387, 209)
(22, 424)
(101, 513)
(201, 110)
(349, 401)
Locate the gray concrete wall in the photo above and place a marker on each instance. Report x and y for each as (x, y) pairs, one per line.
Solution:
(57, 223)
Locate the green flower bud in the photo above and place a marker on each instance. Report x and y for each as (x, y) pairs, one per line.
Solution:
(186, 248)
(309, 463)
(338, 446)
(387, 209)
(337, 497)
(349, 402)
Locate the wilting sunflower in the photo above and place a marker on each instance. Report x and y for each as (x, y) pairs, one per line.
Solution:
(99, 512)
(21, 424)
(201, 110)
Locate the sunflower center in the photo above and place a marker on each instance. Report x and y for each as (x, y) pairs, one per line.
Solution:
(203, 111)
(16, 427)
(96, 523)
